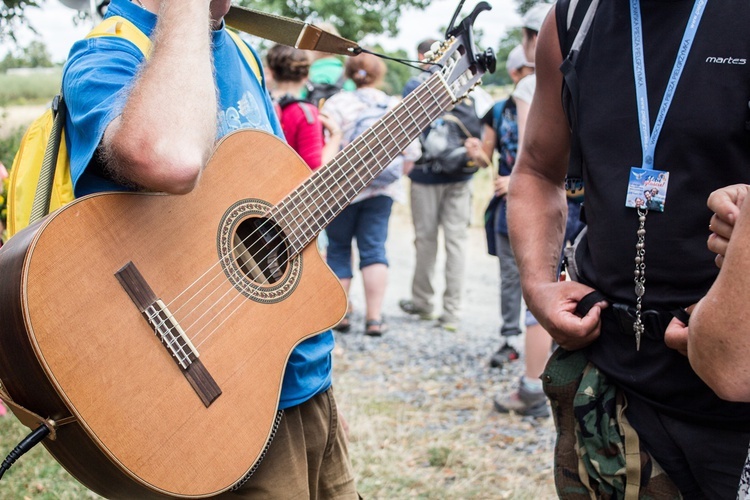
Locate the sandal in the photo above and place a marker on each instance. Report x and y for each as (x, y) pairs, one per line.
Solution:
(345, 324)
(375, 327)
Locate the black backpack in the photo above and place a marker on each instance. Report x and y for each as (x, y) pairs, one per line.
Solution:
(443, 150)
(317, 93)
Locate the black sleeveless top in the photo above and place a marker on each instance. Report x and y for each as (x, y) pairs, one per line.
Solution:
(704, 145)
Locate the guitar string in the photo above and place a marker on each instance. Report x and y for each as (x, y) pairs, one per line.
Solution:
(222, 312)
(309, 183)
(306, 185)
(428, 119)
(330, 171)
(226, 317)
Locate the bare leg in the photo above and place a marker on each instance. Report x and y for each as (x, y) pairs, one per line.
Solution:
(375, 278)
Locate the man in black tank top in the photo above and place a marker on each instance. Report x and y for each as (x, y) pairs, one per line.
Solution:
(662, 106)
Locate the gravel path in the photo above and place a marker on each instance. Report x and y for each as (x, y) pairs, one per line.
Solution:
(419, 399)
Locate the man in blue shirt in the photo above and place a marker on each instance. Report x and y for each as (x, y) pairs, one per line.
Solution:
(151, 124)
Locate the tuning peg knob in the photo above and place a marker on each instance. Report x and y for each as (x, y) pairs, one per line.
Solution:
(488, 60)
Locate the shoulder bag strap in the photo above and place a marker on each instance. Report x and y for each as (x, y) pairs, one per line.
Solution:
(111, 26)
(288, 31)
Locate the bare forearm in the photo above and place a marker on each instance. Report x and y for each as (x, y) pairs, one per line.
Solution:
(719, 335)
(536, 221)
(168, 125)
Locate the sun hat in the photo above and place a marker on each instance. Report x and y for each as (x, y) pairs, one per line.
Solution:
(534, 17)
(517, 59)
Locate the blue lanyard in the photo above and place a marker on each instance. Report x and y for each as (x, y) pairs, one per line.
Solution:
(649, 138)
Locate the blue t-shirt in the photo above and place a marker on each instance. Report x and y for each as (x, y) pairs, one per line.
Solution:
(96, 82)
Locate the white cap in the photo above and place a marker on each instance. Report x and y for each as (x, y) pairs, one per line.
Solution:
(534, 17)
(517, 59)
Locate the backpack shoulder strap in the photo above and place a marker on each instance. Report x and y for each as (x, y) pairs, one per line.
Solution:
(120, 27)
(112, 26)
(574, 18)
(248, 54)
(306, 111)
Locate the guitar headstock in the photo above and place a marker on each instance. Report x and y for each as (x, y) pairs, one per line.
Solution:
(461, 66)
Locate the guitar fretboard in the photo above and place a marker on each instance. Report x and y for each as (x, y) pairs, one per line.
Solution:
(305, 212)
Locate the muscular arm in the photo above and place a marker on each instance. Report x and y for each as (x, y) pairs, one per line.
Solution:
(537, 207)
(167, 129)
(719, 332)
(536, 204)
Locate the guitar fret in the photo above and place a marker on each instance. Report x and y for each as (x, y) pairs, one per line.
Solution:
(307, 210)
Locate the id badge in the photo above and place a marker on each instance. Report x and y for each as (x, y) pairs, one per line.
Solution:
(647, 189)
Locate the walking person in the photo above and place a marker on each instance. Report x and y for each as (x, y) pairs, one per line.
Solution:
(500, 133)
(366, 218)
(441, 199)
(301, 121)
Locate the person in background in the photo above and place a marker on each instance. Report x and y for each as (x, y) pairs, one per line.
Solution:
(646, 269)
(366, 218)
(529, 398)
(301, 121)
(440, 200)
(151, 125)
(327, 76)
(500, 134)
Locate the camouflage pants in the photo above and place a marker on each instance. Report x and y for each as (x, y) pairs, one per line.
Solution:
(597, 454)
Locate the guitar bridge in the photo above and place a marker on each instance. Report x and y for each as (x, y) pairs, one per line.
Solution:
(169, 332)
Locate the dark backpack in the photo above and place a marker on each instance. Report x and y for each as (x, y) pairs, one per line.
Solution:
(288, 100)
(443, 150)
(318, 93)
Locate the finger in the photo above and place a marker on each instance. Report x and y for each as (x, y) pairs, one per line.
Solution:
(719, 260)
(726, 201)
(720, 226)
(676, 336)
(717, 244)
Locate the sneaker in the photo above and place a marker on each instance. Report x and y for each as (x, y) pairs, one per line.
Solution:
(447, 323)
(523, 402)
(504, 355)
(409, 307)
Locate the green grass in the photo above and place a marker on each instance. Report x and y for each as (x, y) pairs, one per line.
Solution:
(36, 474)
(28, 89)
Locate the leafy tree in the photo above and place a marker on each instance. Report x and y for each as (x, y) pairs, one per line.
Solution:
(34, 55)
(12, 17)
(353, 18)
(510, 40)
(524, 5)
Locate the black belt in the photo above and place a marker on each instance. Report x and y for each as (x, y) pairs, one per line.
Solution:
(655, 322)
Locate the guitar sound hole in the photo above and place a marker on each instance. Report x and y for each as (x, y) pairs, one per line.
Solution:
(260, 250)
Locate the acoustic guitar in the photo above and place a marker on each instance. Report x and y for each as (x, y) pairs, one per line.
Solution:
(152, 331)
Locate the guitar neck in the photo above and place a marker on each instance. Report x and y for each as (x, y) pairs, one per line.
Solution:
(305, 212)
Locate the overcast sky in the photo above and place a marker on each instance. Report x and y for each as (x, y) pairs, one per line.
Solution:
(55, 26)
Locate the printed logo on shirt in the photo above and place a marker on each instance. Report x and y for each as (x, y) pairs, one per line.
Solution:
(726, 60)
(247, 114)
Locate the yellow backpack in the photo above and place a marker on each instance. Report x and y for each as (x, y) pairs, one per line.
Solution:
(30, 195)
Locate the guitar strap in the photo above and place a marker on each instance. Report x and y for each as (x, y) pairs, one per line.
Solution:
(31, 419)
(287, 31)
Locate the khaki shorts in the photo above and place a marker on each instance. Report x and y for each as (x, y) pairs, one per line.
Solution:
(308, 457)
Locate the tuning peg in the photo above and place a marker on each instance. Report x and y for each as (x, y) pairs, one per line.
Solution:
(488, 60)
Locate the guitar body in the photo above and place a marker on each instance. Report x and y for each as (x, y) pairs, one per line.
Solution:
(74, 343)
